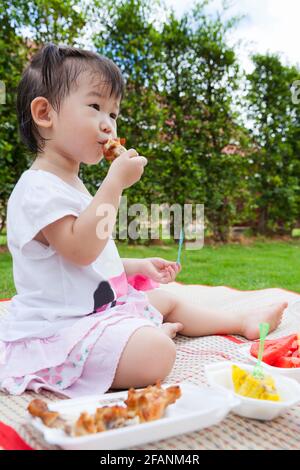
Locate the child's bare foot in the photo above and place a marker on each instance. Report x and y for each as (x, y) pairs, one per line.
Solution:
(171, 329)
(271, 314)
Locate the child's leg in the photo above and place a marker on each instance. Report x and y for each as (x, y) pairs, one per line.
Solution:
(200, 321)
(148, 356)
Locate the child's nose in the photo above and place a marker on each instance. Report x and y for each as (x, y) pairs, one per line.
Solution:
(105, 127)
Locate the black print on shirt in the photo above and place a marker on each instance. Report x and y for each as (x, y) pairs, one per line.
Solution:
(103, 295)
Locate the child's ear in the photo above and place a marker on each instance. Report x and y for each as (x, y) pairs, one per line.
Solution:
(41, 112)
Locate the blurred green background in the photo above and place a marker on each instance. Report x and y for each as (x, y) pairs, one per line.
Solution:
(213, 132)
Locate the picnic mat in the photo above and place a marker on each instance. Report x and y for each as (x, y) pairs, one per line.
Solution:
(192, 354)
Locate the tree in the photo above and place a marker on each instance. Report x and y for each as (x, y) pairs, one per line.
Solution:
(178, 105)
(12, 57)
(24, 27)
(127, 35)
(202, 75)
(275, 127)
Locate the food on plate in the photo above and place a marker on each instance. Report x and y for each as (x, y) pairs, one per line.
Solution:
(40, 409)
(280, 352)
(247, 385)
(113, 149)
(105, 418)
(140, 406)
(150, 403)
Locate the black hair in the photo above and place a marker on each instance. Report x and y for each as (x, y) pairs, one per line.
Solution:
(52, 73)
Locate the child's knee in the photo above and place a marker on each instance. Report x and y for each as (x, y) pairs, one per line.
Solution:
(158, 357)
(149, 356)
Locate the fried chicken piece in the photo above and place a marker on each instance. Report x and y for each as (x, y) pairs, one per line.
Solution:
(85, 424)
(111, 417)
(113, 149)
(40, 409)
(150, 403)
(106, 417)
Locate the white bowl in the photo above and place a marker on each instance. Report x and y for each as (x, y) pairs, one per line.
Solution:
(291, 372)
(220, 375)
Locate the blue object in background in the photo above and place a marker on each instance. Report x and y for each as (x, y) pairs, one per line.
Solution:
(180, 246)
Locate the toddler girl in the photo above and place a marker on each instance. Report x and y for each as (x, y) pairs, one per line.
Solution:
(83, 319)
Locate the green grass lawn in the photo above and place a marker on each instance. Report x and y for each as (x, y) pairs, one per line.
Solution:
(7, 288)
(257, 266)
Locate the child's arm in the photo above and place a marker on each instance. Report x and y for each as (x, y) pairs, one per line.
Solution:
(80, 239)
(157, 269)
(132, 266)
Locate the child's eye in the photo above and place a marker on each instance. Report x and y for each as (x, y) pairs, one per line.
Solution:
(95, 106)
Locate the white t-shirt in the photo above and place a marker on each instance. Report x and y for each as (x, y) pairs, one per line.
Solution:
(52, 292)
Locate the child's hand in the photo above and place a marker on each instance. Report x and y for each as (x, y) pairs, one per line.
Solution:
(160, 270)
(127, 169)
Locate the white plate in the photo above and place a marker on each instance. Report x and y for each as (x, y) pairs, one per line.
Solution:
(198, 407)
(291, 372)
(220, 375)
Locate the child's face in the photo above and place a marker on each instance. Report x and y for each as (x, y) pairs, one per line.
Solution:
(86, 119)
